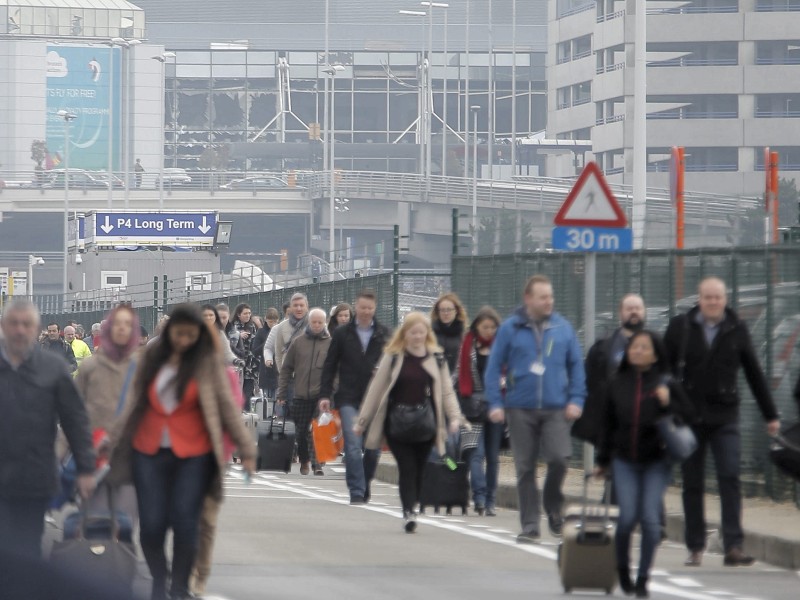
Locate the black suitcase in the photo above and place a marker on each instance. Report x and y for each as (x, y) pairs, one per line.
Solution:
(784, 450)
(443, 486)
(99, 526)
(275, 444)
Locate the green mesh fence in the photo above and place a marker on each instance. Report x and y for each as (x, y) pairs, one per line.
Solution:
(764, 289)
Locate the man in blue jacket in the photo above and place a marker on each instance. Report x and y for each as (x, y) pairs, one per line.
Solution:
(537, 352)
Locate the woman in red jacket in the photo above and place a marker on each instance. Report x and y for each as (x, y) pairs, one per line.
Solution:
(171, 441)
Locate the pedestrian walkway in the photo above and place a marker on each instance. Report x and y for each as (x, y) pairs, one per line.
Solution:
(772, 530)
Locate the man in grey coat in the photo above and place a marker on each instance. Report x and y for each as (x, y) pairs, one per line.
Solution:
(36, 394)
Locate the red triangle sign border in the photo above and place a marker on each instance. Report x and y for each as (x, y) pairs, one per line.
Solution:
(591, 169)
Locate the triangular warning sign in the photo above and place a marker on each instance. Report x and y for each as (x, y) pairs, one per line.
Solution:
(590, 202)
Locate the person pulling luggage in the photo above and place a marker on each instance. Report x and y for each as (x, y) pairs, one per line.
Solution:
(640, 393)
(411, 402)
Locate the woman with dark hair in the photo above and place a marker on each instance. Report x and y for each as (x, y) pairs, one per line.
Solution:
(267, 376)
(211, 316)
(449, 320)
(487, 435)
(642, 392)
(244, 325)
(340, 315)
(169, 441)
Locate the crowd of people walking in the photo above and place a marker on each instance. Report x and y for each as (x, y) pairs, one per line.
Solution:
(166, 410)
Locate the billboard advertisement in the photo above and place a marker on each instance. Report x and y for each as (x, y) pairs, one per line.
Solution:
(85, 81)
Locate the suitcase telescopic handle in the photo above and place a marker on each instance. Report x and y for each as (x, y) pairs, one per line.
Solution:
(275, 418)
(606, 503)
(84, 513)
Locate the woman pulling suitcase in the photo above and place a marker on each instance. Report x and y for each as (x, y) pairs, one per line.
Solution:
(169, 442)
(640, 394)
(411, 401)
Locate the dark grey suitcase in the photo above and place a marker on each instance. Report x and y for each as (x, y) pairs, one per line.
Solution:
(276, 438)
(586, 556)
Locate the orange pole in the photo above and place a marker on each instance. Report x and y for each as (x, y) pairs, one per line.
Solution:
(680, 221)
(774, 188)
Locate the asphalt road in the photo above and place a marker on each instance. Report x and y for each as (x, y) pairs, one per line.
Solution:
(296, 537)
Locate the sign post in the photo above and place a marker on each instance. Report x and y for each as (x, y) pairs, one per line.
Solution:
(677, 169)
(591, 221)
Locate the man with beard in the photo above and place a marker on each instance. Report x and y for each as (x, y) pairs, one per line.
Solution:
(602, 363)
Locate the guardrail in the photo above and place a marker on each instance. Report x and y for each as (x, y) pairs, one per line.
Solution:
(693, 115)
(693, 10)
(576, 10)
(782, 60)
(610, 68)
(695, 62)
(611, 16)
(777, 7)
(777, 114)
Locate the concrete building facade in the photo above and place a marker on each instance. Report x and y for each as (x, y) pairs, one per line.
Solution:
(721, 81)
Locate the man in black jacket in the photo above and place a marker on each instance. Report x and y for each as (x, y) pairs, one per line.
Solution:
(707, 346)
(602, 362)
(354, 353)
(36, 393)
(55, 343)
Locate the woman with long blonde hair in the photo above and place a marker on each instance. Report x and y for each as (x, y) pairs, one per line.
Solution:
(411, 403)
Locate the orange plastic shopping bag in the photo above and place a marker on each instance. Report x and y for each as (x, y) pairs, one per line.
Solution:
(328, 438)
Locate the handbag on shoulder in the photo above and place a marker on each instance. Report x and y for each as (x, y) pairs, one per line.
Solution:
(678, 438)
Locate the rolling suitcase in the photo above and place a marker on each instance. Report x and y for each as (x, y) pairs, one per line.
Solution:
(784, 450)
(250, 420)
(586, 556)
(275, 444)
(445, 481)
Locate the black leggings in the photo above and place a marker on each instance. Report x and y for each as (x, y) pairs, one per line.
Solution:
(302, 413)
(411, 459)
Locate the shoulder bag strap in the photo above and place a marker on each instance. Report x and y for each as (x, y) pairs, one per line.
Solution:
(681, 365)
(125, 386)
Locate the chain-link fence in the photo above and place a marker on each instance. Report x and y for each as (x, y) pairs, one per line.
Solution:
(764, 289)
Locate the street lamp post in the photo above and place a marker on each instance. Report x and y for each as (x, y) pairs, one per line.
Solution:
(342, 207)
(33, 260)
(126, 116)
(429, 91)
(422, 101)
(67, 116)
(162, 58)
(474, 110)
(331, 71)
(514, 86)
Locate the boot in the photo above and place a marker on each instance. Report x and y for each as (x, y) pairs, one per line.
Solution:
(182, 563)
(625, 582)
(641, 587)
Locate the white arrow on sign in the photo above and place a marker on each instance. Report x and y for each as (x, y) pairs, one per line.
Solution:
(204, 228)
(107, 226)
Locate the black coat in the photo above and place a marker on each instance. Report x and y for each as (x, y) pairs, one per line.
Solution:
(449, 337)
(33, 400)
(267, 377)
(62, 349)
(351, 363)
(599, 371)
(631, 408)
(710, 374)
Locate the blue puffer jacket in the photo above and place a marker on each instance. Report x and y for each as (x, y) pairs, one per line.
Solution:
(516, 349)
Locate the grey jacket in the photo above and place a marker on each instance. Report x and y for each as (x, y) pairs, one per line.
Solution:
(304, 360)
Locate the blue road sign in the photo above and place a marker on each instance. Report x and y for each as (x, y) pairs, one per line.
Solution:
(592, 239)
(127, 228)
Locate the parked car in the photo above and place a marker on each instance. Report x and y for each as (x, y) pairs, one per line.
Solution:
(173, 176)
(255, 183)
(78, 179)
(103, 176)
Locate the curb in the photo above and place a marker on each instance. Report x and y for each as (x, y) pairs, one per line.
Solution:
(770, 549)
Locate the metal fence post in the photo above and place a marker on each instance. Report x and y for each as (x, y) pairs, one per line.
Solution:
(396, 276)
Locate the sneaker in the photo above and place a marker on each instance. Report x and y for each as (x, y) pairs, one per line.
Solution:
(304, 468)
(357, 501)
(556, 524)
(736, 558)
(490, 511)
(319, 472)
(410, 522)
(695, 559)
(530, 537)
(480, 509)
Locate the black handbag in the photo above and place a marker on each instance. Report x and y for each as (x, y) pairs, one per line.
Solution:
(475, 407)
(784, 450)
(678, 439)
(412, 424)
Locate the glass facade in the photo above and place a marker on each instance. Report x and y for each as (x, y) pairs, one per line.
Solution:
(73, 18)
(220, 96)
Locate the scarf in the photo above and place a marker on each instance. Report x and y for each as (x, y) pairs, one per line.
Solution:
(111, 350)
(454, 329)
(467, 370)
(298, 327)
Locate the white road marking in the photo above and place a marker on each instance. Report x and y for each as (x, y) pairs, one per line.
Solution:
(499, 531)
(266, 497)
(453, 526)
(337, 469)
(720, 593)
(476, 526)
(658, 573)
(685, 582)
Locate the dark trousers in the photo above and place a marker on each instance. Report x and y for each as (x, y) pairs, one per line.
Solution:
(302, 412)
(411, 460)
(725, 448)
(22, 525)
(170, 492)
(248, 391)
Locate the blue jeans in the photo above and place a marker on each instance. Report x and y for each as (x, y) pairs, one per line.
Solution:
(640, 494)
(360, 464)
(170, 493)
(484, 483)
